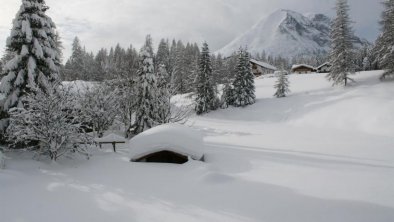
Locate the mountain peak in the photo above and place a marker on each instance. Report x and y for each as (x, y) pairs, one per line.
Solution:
(285, 33)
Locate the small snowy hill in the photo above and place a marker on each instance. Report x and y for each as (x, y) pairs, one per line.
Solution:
(286, 33)
(323, 154)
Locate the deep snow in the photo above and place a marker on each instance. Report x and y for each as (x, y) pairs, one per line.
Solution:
(168, 137)
(323, 154)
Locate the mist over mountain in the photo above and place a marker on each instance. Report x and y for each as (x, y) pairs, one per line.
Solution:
(288, 34)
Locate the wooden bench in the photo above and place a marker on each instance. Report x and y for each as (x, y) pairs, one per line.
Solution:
(110, 139)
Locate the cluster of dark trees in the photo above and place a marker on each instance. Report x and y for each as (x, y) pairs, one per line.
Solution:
(179, 59)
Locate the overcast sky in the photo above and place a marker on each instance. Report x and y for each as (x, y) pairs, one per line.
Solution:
(103, 23)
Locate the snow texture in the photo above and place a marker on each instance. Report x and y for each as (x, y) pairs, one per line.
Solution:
(281, 160)
(170, 137)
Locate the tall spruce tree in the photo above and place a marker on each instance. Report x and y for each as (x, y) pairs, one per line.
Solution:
(206, 97)
(228, 95)
(146, 115)
(172, 58)
(244, 88)
(178, 77)
(282, 85)
(386, 40)
(75, 67)
(163, 55)
(342, 38)
(163, 95)
(36, 61)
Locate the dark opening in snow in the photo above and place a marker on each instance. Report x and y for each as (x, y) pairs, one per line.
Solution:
(164, 157)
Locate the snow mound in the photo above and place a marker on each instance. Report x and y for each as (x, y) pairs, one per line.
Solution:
(170, 137)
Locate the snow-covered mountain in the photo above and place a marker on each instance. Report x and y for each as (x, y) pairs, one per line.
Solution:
(286, 33)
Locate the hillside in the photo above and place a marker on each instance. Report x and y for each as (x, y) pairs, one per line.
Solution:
(286, 33)
(323, 154)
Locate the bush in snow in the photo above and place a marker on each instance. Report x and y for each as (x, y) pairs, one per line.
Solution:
(126, 96)
(36, 61)
(206, 93)
(282, 85)
(385, 42)
(342, 54)
(49, 120)
(244, 89)
(99, 107)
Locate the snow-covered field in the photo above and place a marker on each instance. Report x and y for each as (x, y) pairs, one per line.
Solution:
(321, 155)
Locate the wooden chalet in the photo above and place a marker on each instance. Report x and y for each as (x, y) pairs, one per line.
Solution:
(324, 68)
(261, 68)
(303, 69)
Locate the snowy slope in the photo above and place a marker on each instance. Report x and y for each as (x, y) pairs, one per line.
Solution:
(323, 154)
(286, 33)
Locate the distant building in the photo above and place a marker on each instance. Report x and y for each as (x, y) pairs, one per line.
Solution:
(302, 69)
(261, 68)
(324, 68)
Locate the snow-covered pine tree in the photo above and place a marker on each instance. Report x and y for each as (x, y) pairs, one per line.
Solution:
(192, 54)
(282, 85)
(178, 76)
(342, 38)
(386, 41)
(244, 88)
(131, 60)
(172, 59)
(75, 66)
(36, 61)
(206, 98)
(231, 66)
(146, 104)
(163, 55)
(102, 62)
(219, 70)
(164, 96)
(228, 95)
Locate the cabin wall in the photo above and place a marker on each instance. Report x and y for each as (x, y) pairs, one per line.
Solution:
(303, 70)
(259, 71)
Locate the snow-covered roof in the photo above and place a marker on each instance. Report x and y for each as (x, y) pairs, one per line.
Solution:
(302, 65)
(324, 64)
(110, 139)
(170, 137)
(263, 64)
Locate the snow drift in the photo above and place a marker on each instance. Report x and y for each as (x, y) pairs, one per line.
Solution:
(170, 137)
